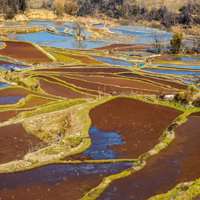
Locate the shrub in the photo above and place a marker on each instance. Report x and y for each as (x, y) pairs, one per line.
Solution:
(10, 13)
(176, 43)
(190, 96)
(71, 7)
(59, 9)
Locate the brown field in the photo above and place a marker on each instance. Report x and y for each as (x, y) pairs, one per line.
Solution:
(135, 121)
(126, 47)
(15, 142)
(24, 51)
(70, 188)
(6, 115)
(84, 59)
(154, 79)
(13, 92)
(56, 89)
(108, 89)
(53, 182)
(117, 81)
(85, 70)
(178, 163)
(36, 101)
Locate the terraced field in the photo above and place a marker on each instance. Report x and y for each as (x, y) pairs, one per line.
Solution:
(73, 126)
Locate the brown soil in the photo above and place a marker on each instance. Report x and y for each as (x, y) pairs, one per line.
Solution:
(86, 93)
(86, 70)
(4, 62)
(6, 115)
(69, 189)
(84, 59)
(136, 121)
(59, 90)
(178, 163)
(36, 101)
(115, 81)
(159, 80)
(15, 142)
(24, 51)
(125, 47)
(54, 182)
(13, 92)
(110, 89)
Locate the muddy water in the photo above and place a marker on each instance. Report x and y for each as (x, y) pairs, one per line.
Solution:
(178, 163)
(56, 181)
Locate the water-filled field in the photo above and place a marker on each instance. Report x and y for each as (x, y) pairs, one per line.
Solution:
(97, 118)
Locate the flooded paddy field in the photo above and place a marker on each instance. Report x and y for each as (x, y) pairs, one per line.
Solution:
(15, 143)
(178, 163)
(96, 118)
(56, 181)
(127, 122)
(57, 89)
(23, 51)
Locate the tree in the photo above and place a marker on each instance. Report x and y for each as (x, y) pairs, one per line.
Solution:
(59, 9)
(176, 42)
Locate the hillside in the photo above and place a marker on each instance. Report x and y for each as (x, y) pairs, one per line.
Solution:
(170, 4)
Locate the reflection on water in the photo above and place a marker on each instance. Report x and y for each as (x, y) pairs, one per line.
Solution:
(3, 85)
(12, 66)
(188, 58)
(53, 174)
(102, 143)
(9, 99)
(113, 61)
(173, 72)
(143, 35)
(61, 41)
(178, 66)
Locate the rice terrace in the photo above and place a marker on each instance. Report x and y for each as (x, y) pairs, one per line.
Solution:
(99, 100)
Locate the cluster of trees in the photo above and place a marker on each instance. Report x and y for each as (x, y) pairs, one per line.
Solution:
(187, 15)
(189, 97)
(11, 7)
